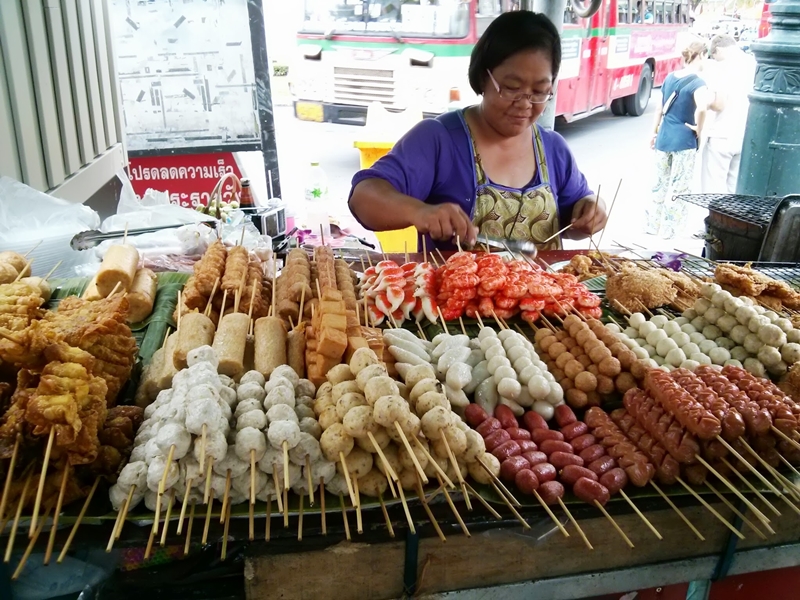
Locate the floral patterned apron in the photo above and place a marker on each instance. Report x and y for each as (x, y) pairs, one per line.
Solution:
(529, 214)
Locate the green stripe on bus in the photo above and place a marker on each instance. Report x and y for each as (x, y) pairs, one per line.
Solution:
(452, 50)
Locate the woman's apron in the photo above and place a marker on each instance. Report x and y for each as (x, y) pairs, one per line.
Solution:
(529, 214)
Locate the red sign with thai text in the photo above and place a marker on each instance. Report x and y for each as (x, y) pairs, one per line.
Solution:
(189, 179)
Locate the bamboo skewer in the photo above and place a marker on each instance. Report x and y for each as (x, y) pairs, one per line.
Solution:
(184, 505)
(251, 509)
(405, 508)
(551, 514)
(117, 524)
(224, 553)
(149, 548)
(711, 509)
(203, 434)
(189, 528)
(735, 510)
(758, 494)
(432, 462)
(574, 522)
(386, 518)
(269, 518)
(277, 488)
(434, 522)
(31, 544)
(344, 518)
(322, 506)
(359, 525)
(641, 516)
(310, 482)
(168, 514)
(783, 436)
(608, 217)
(125, 510)
(163, 483)
(157, 518)
(518, 516)
(455, 511)
(557, 233)
(759, 515)
(347, 479)
(486, 505)
(389, 469)
(7, 486)
(225, 497)
(252, 477)
(411, 454)
(27, 267)
(750, 467)
(207, 310)
(74, 529)
(614, 523)
(300, 520)
(285, 508)
(38, 502)
(208, 517)
(506, 492)
(207, 493)
(59, 503)
(15, 523)
(677, 510)
(32, 249)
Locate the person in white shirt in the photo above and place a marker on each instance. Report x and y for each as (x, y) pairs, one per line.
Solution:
(730, 80)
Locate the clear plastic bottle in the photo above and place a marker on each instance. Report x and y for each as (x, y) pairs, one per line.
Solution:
(317, 201)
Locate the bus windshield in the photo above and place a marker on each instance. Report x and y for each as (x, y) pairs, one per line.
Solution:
(397, 18)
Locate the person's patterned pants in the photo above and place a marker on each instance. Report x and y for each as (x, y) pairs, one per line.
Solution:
(666, 216)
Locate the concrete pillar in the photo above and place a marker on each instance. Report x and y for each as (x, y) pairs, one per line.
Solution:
(771, 151)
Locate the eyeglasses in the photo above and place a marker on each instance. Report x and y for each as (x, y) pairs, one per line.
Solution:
(515, 96)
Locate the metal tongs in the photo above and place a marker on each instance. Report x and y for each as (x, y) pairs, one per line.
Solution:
(513, 246)
(89, 239)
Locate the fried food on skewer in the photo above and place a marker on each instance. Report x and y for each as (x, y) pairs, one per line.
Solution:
(633, 285)
(745, 281)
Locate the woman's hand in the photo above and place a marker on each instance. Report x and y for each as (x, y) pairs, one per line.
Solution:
(444, 222)
(653, 141)
(589, 215)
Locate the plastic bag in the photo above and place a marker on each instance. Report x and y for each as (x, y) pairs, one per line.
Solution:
(30, 218)
(152, 210)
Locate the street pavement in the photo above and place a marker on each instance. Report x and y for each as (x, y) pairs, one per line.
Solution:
(608, 150)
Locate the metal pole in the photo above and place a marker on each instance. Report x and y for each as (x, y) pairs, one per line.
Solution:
(554, 10)
(771, 150)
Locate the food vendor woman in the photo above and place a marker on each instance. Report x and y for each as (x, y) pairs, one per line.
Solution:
(487, 168)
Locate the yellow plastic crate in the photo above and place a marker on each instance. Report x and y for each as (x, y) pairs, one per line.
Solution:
(398, 240)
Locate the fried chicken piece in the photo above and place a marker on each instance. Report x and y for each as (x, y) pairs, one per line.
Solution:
(13, 422)
(255, 283)
(687, 288)
(633, 287)
(235, 270)
(749, 282)
(20, 304)
(210, 268)
(191, 297)
(743, 278)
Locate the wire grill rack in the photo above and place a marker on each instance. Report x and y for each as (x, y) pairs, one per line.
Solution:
(756, 210)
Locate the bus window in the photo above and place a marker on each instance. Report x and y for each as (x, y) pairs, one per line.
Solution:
(570, 18)
(623, 15)
(643, 12)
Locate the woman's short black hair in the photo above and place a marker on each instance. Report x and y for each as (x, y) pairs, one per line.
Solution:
(508, 34)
